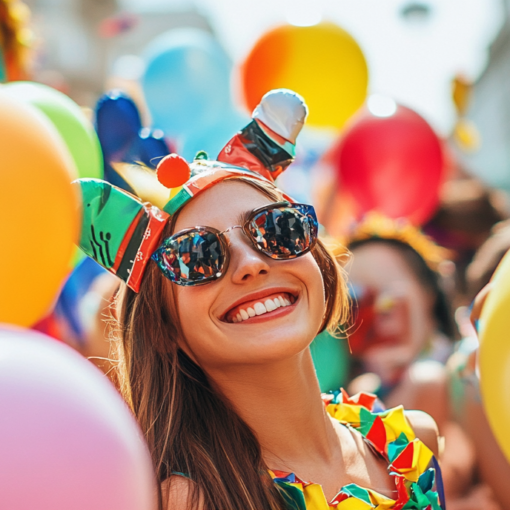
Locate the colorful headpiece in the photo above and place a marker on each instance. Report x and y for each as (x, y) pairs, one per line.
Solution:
(377, 226)
(120, 231)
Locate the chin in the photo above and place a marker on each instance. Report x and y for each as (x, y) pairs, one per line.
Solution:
(274, 346)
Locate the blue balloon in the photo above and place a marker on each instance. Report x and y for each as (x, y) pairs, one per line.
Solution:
(187, 84)
(75, 288)
(214, 138)
(122, 137)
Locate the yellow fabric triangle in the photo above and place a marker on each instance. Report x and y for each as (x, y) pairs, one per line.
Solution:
(421, 460)
(346, 413)
(315, 498)
(422, 456)
(353, 504)
(380, 502)
(395, 422)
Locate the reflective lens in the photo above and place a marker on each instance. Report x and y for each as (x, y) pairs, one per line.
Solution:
(191, 258)
(200, 255)
(284, 232)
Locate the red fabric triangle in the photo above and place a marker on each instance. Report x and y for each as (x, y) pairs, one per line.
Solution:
(405, 459)
(281, 474)
(339, 498)
(377, 435)
(367, 400)
(403, 496)
(361, 399)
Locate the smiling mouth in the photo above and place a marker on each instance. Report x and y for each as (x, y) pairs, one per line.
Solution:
(256, 308)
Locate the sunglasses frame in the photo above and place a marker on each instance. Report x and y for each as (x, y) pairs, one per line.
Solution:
(224, 242)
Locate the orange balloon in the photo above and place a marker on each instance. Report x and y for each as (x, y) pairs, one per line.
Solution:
(39, 212)
(323, 63)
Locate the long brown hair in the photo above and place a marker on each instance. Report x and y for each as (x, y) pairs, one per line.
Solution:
(191, 428)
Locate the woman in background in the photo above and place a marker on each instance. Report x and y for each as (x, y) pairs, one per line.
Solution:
(404, 337)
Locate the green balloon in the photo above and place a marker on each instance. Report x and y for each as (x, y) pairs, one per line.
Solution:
(72, 124)
(331, 359)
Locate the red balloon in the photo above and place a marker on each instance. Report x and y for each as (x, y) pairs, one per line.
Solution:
(391, 164)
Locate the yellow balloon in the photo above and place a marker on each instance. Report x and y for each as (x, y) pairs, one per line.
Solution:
(323, 63)
(495, 355)
(39, 212)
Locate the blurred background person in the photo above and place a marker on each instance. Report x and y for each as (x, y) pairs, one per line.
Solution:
(403, 336)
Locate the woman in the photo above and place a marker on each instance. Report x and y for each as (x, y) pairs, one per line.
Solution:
(215, 327)
(405, 326)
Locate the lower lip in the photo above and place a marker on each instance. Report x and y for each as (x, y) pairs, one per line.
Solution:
(275, 314)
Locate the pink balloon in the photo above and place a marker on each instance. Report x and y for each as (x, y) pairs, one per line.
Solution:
(67, 439)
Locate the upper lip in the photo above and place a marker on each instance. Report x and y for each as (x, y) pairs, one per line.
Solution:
(261, 294)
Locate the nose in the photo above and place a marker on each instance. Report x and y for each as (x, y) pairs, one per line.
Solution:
(246, 263)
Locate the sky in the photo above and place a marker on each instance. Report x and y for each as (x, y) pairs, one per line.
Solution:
(412, 59)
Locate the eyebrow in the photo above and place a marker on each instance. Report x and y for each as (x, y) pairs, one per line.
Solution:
(243, 217)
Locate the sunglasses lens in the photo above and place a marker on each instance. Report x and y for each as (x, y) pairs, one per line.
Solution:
(191, 258)
(285, 232)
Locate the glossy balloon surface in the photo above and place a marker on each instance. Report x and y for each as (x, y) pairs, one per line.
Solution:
(393, 165)
(39, 212)
(67, 438)
(70, 121)
(494, 354)
(323, 63)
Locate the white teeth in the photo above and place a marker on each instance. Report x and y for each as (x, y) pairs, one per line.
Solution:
(259, 308)
(269, 305)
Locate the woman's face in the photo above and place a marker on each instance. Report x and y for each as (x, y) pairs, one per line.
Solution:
(209, 314)
(395, 306)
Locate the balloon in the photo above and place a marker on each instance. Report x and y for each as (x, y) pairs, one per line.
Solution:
(67, 438)
(330, 357)
(187, 90)
(39, 220)
(391, 162)
(323, 63)
(122, 137)
(494, 358)
(70, 121)
(212, 139)
(67, 309)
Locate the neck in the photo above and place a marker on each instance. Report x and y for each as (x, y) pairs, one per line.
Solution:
(281, 403)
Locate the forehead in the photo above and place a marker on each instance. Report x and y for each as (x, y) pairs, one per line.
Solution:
(379, 264)
(221, 206)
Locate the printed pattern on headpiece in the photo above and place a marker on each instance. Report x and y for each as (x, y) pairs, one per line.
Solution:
(411, 464)
(267, 145)
(119, 231)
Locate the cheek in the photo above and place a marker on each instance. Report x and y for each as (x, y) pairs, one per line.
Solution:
(314, 283)
(193, 311)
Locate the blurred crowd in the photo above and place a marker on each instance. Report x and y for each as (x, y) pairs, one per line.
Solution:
(417, 247)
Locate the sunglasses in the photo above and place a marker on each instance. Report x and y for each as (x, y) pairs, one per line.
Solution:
(199, 255)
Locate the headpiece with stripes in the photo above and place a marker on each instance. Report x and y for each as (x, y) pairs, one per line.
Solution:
(121, 231)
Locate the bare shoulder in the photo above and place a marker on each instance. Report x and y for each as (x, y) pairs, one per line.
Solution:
(429, 380)
(177, 494)
(425, 429)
